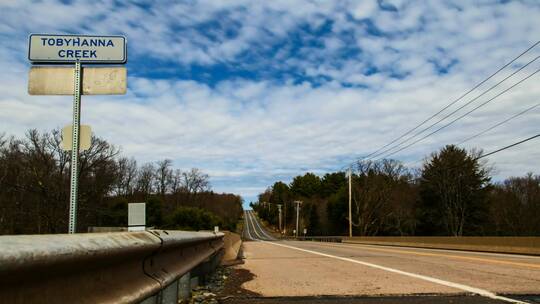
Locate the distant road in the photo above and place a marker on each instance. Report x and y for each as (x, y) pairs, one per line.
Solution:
(300, 269)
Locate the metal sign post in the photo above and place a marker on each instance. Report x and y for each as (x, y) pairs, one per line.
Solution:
(76, 49)
(75, 148)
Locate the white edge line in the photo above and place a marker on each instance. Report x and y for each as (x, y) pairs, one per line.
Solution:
(482, 292)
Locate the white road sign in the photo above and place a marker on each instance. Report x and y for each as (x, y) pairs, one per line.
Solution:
(70, 48)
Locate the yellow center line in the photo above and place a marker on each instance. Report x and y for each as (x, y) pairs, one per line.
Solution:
(445, 256)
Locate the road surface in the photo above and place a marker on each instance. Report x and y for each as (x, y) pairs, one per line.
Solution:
(343, 272)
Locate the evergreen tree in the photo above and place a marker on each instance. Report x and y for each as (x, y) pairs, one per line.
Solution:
(453, 190)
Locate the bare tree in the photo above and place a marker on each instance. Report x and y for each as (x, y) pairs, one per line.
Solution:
(176, 181)
(515, 206)
(145, 179)
(35, 186)
(127, 175)
(195, 181)
(374, 188)
(163, 176)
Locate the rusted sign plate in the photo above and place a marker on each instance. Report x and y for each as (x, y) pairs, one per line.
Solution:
(59, 81)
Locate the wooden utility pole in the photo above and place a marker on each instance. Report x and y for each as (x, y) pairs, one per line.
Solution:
(279, 209)
(297, 216)
(350, 202)
(285, 218)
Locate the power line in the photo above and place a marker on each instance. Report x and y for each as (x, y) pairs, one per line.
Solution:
(497, 151)
(499, 124)
(492, 127)
(458, 109)
(460, 117)
(508, 147)
(454, 101)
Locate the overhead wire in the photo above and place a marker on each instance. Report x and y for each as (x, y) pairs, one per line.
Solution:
(455, 100)
(490, 128)
(509, 146)
(499, 124)
(459, 108)
(462, 116)
(496, 151)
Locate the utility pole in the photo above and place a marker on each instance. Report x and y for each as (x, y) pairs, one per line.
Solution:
(297, 216)
(350, 201)
(279, 209)
(285, 218)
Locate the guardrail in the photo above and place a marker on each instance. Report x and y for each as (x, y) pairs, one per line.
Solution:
(496, 244)
(155, 266)
(331, 239)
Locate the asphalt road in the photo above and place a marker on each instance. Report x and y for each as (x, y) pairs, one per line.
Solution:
(315, 272)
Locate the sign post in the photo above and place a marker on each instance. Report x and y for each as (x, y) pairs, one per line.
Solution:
(75, 149)
(76, 49)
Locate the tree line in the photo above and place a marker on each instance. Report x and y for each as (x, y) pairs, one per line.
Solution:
(35, 181)
(452, 194)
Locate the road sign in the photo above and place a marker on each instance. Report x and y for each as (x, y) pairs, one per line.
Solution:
(46, 48)
(85, 138)
(59, 81)
(76, 49)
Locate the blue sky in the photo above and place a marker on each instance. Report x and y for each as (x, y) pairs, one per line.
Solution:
(252, 92)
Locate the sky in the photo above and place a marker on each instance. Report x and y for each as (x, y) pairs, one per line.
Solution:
(252, 92)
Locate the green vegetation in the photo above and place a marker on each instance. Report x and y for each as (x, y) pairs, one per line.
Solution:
(189, 218)
(452, 194)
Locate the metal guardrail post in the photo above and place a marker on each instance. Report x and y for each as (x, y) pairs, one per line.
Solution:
(169, 294)
(184, 286)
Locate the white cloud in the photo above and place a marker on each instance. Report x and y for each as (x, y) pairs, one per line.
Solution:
(364, 9)
(248, 132)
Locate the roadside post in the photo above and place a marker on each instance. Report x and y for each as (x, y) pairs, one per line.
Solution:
(279, 210)
(73, 79)
(136, 216)
(298, 203)
(350, 201)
